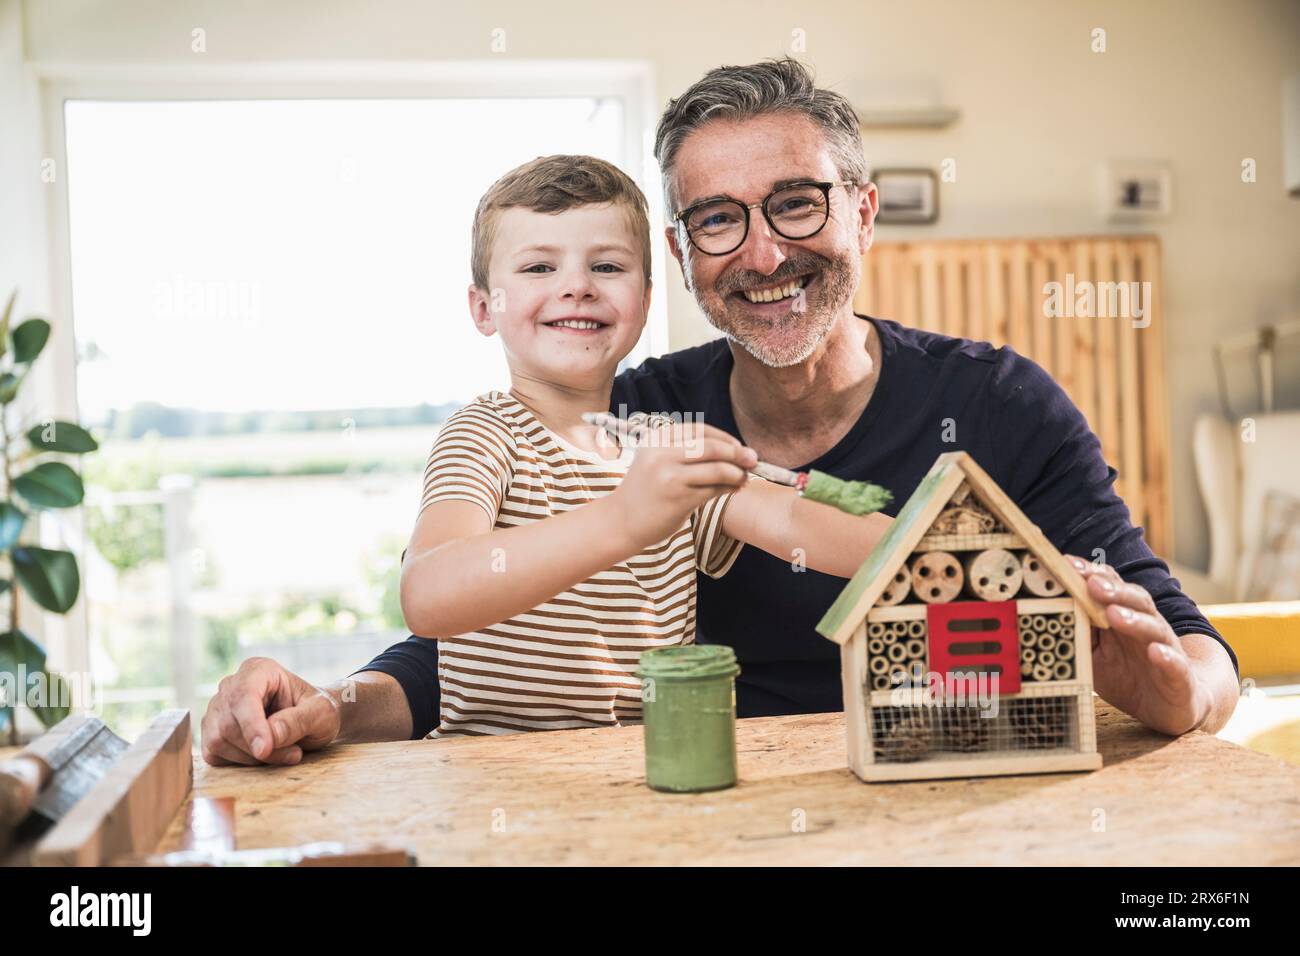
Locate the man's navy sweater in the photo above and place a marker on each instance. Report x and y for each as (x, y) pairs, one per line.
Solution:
(935, 394)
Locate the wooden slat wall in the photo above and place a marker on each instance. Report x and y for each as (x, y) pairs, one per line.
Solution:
(993, 290)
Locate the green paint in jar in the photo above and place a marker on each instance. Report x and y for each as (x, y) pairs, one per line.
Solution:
(689, 711)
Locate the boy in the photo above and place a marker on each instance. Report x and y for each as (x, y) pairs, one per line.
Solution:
(546, 557)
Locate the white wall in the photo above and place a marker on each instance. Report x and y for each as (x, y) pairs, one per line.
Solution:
(22, 259)
(24, 267)
(1194, 82)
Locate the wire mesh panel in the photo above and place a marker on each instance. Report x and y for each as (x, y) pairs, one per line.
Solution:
(1029, 722)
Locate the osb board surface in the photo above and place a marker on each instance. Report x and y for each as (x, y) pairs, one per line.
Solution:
(578, 797)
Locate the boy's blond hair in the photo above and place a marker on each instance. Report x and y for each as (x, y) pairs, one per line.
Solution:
(552, 184)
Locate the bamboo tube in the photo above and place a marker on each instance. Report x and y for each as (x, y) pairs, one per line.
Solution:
(897, 653)
(1067, 619)
(1046, 642)
(1042, 672)
(1026, 669)
(1067, 632)
(1063, 670)
(1028, 638)
(936, 577)
(916, 628)
(879, 682)
(1046, 657)
(876, 629)
(1037, 580)
(1028, 655)
(1065, 650)
(898, 588)
(993, 575)
(1038, 623)
(876, 646)
(1053, 626)
(879, 665)
(916, 649)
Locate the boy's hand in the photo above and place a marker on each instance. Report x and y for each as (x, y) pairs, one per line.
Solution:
(677, 468)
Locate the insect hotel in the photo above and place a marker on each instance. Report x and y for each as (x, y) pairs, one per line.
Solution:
(964, 641)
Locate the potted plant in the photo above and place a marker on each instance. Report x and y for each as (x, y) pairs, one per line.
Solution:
(49, 577)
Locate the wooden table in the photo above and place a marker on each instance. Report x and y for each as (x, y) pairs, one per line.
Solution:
(579, 797)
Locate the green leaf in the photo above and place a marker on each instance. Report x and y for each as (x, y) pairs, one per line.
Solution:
(9, 383)
(29, 339)
(4, 323)
(19, 650)
(58, 690)
(50, 577)
(67, 437)
(12, 519)
(51, 485)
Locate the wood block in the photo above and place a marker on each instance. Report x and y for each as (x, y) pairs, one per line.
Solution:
(993, 575)
(936, 576)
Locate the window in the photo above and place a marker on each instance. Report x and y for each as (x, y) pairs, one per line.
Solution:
(271, 321)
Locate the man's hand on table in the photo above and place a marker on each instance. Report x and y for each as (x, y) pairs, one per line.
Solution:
(263, 714)
(1142, 667)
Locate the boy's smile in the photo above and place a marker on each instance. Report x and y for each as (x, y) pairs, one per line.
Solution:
(569, 295)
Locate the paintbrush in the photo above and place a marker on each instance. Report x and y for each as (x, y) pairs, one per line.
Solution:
(851, 497)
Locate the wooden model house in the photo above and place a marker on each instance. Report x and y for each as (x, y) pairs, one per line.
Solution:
(965, 641)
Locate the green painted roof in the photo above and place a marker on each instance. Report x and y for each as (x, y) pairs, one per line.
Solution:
(890, 546)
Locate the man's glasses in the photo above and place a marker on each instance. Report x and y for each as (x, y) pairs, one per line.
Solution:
(717, 227)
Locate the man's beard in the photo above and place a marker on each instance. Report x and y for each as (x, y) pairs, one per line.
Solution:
(788, 339)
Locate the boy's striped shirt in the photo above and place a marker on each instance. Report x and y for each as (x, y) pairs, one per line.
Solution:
(571, 661)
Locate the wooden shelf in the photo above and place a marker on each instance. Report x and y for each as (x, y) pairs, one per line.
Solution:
(925, 117)
(1024, 605)
(969, 542)
(1029, 690)
(897, 612)
(978, 765)
(1033, 605)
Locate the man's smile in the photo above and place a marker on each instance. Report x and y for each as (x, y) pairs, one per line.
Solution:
(775, 294)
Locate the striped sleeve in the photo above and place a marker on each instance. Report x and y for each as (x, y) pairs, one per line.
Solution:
(471, 460)
(715, 550)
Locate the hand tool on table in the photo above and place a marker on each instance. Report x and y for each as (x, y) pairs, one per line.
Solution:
(56, 770)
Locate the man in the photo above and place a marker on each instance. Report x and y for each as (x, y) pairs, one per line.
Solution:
(808, 383)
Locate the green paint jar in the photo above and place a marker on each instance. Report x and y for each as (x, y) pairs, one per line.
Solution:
(689, 711)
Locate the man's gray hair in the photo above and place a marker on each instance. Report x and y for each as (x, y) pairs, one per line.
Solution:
(742, 92)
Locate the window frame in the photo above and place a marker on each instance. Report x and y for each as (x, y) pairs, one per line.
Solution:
(631, 81)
